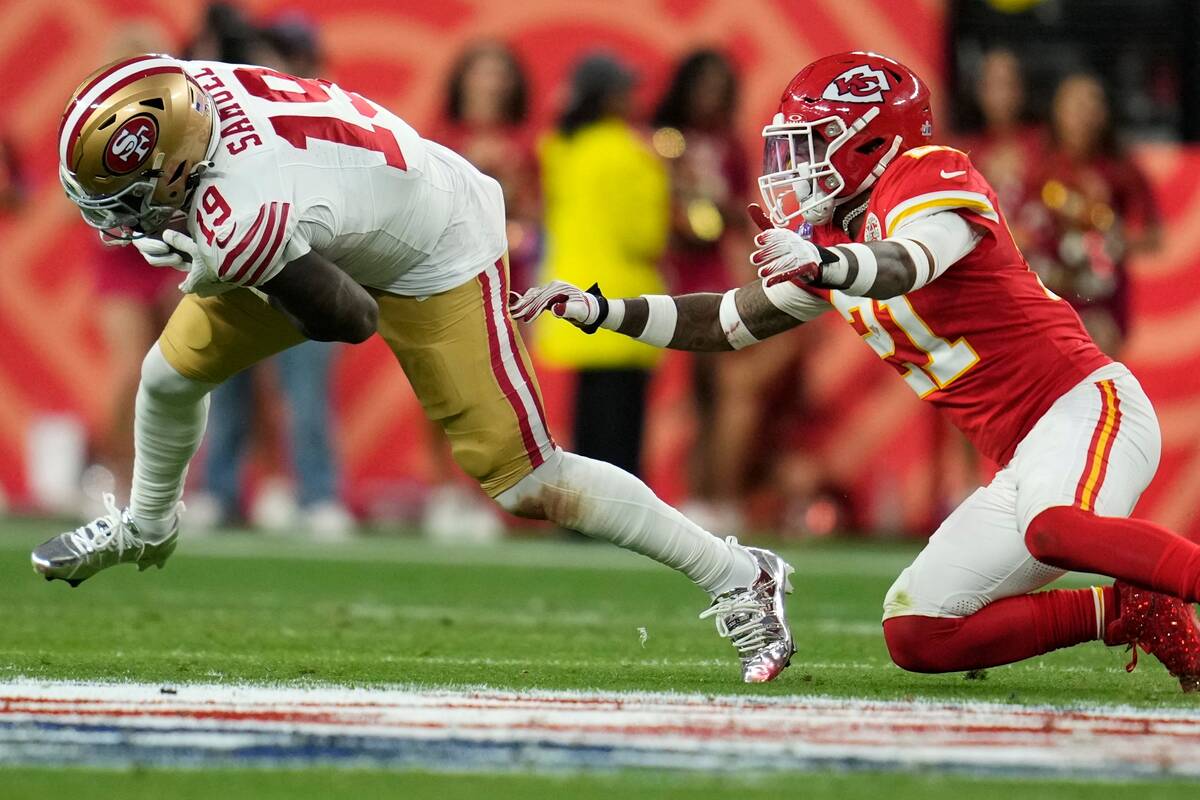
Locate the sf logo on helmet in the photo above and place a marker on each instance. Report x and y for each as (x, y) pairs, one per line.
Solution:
(862, 84)
(131, 144)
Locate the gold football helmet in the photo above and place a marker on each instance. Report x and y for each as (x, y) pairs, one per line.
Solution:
(133, 142)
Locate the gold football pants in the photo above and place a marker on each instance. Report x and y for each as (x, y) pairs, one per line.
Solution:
(459, 349)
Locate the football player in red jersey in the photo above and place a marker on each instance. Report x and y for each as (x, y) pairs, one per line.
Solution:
(906, 241)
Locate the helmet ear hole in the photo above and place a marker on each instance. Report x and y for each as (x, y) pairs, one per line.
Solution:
(177, 174)
(870, 146)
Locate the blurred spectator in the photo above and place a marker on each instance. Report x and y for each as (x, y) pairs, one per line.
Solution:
(1008, 147)
(607, 201)
(709, 175)
(289, 45)
(486, 119)
(694, 132)
(225, 35)
(1096, 209)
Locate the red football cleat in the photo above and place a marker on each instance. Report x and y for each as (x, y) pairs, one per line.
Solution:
(1164, 626)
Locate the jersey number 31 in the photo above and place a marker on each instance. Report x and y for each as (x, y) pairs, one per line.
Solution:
(929, 363)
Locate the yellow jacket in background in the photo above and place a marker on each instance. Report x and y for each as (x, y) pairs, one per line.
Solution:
(607, 216)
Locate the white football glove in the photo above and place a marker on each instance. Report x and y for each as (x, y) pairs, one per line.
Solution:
(785, 255)
(160, 253)
(561, 299)
(178, 251)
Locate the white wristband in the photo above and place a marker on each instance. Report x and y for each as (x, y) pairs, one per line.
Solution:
(735, 329)
(868, 269)
(835, 272)
(616, 315)
(661, 315)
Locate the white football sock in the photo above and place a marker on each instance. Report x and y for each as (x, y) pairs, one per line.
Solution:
(607, 503)
(168, 425)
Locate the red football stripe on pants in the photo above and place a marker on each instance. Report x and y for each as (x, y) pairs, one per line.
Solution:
(1107, 408)
(512, 336)
(1112, 438)
(506, 385)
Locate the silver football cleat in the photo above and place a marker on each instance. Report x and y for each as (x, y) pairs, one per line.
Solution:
(112, 539)
(754, 619)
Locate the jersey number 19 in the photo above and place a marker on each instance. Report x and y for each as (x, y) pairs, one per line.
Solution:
(297, 129)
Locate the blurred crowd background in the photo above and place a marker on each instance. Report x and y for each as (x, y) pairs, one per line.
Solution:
(625, 135)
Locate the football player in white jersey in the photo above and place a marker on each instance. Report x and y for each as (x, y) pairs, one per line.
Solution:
(298, 209)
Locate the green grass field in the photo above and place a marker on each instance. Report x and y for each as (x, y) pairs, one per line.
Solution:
(526, 614)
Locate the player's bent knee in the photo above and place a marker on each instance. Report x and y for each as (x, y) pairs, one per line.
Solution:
(560, 490)
(905, 644)
(533, 497)
(497, 471)
(917, 644)
(163, 382)
(1043, 536)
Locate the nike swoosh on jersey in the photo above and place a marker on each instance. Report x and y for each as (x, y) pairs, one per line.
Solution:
(222, 242)
(954, 174)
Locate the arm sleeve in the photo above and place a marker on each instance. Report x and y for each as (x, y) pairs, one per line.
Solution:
(946, 235)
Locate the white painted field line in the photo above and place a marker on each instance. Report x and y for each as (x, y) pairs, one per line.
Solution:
(405, 693)
(609, 729)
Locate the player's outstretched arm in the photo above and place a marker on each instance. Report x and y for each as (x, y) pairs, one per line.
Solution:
(322, 301)
(913, 256)
(703, 322)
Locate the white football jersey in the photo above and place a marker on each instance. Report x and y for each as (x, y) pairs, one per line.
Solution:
(304, 165)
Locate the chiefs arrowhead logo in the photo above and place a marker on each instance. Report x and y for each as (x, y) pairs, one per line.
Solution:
(862, 84)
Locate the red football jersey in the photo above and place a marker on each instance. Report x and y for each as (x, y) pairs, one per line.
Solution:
(985, 342)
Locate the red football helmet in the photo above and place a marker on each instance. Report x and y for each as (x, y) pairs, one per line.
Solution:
(841, 121)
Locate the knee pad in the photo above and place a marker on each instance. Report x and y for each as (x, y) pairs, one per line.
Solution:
(532, 496)
(164, 383)
(559, 488)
